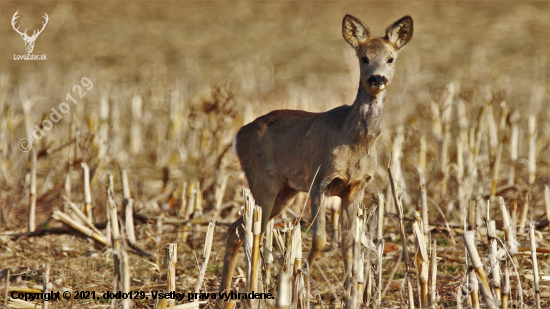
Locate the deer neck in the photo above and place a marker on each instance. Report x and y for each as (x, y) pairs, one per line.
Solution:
(364, 119)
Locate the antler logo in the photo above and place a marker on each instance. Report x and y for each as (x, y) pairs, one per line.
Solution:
(29, 40)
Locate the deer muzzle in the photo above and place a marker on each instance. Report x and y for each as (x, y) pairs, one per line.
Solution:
(377, 81)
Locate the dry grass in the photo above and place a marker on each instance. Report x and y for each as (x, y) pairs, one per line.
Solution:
(202, 69)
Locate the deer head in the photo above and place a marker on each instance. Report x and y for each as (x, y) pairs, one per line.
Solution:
(377, 55)
(29, 40)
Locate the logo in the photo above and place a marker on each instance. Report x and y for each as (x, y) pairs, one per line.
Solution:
(29, 40)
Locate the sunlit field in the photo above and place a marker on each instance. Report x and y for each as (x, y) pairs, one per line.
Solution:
(147, 97)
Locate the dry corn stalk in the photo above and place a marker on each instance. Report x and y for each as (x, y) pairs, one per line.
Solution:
(360, 262)
(84, 219)
(505, 288)
(379, 247)
(107, 211)
(531, 140)
(113, 222)
(205, 254)
(459, 296)
(298, 285)
(125, 271)
(422, 265)
(396, 155)
(532, 168)
(535, 265)
(505, 111)
(496, 167)
(32, 196)
(257, 233)
(509, 230)
(443, 148)
(368, 273)
(183, 209)
(128, 204)
(184, 199)
(472, 222)
(514, 134)
(433, 291)
(495, 268)
(125, 184)
(177, 117)
(462, 151)
(87, 192)
(436, 120)
(220, 190)
(408, 279)
(493, 130)
(297, 247)
(283, 290)
(68, 183)
(160, 222)
(524, 211)
(422, 178)
(484, 208)
(476, 138)
(474, 292)
(171, 262)
(58, 215)
(514, 214)
(92, 121)
(197, 211)
(46, 277)
(308, 287)
(469, 237)
(358, 266)
(230, 304)
(403, 240)
(19, 303)
(104, 123)
(27, 104)
(135, 134)
(129, 215)
(248, 220)
(268, 249)
(189, 207)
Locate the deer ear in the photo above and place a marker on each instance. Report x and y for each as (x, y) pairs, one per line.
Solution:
(354, 31)
(400, 33)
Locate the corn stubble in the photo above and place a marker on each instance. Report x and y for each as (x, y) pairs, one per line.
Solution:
(473, 167)
(186, 204)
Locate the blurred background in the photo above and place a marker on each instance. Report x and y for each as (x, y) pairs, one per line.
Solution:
(270, 46)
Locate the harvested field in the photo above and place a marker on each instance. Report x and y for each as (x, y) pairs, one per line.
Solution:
(147, 97)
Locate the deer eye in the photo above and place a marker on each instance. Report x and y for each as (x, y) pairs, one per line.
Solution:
(390, 60)
(365, 60)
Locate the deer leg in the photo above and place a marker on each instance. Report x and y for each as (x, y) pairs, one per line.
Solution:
(235, 238)
(348, 223)
(318, 210)
(284, 198)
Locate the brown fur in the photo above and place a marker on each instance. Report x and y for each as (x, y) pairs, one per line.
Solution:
(281, 152)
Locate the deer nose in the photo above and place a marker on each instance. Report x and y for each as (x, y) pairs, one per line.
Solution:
(377, 80)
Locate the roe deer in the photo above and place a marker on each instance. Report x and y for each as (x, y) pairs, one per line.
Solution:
(281, 152)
